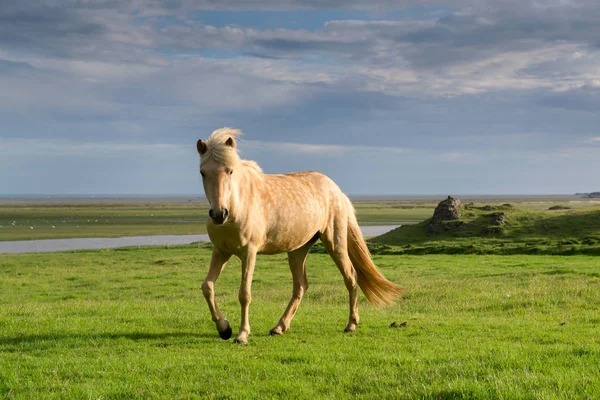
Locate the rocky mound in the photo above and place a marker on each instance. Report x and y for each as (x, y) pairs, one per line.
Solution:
(499, 218)
(555, 208)
(446, 210)
(447, 218)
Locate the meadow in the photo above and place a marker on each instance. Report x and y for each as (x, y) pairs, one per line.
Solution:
(132, 323)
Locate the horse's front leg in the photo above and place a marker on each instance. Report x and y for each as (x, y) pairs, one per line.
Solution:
(217, 263)
(248, 261)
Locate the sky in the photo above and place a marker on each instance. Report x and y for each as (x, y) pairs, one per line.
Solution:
(108, 97)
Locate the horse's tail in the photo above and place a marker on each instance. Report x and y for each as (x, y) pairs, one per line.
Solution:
(374, 285)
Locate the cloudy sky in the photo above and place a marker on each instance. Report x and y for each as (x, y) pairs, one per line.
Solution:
(386, 97)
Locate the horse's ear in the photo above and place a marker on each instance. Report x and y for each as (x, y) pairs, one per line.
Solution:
(230, 142)
(201, 146)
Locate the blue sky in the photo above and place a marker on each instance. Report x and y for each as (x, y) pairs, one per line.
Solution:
(386, 97)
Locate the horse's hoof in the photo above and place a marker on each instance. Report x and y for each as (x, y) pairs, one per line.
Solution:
(226, 334)
(275, 332)
(350, 329)
(240, 341)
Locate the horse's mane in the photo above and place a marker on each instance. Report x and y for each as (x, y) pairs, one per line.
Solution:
(217, 150)
(252, 165)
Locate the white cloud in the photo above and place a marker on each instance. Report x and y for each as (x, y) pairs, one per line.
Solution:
(36, 148)
(98, 71)
(459, 156)
(321, 149)
(206, 85)
(105, 72)
(467, 53)
(416, 58)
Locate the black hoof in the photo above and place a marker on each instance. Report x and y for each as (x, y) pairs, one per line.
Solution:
(226, 334)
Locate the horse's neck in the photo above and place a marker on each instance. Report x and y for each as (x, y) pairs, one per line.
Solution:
(246, 191)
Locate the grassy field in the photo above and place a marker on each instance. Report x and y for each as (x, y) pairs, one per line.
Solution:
(111, 219)
(132, 323)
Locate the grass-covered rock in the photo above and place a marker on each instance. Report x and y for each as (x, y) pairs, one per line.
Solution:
(499, 229)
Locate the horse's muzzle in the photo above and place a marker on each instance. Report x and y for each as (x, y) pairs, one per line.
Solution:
(218, 217)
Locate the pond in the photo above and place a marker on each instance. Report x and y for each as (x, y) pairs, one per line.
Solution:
(53, 245)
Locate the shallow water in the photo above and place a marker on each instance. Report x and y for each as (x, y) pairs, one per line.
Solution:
(53, 245)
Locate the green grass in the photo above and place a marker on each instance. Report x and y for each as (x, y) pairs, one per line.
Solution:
(132, 323)
(525, 231)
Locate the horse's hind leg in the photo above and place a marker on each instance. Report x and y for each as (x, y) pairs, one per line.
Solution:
(217, 263)
(297, 260)
(335, 241)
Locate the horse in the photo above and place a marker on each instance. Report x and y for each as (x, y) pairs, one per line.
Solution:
(256, 213)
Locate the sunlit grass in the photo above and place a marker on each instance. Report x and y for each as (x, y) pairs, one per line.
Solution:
(132, 323)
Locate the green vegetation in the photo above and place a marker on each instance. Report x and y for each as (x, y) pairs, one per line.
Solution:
(393, 212)
(111, 219)
(500, 229)
(28, 222)
(132, 323)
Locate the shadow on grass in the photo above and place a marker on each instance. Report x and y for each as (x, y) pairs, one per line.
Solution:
(571, 225)
(74, 338)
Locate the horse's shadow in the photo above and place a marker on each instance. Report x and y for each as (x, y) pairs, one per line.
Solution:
(61, 338)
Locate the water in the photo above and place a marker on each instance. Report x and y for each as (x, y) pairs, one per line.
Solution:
(376, 230)
(54, 245)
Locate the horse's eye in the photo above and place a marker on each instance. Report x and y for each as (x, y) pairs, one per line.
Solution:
(230, 172)
(202, 173)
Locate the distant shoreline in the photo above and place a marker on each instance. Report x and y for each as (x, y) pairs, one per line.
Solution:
(183, 199)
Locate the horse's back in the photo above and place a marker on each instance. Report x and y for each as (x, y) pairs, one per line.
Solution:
(296, 206)
(301, 192)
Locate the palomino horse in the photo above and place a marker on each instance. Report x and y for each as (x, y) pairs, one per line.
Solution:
(255, 213)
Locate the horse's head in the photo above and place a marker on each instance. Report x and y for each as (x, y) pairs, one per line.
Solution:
(218, 161)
